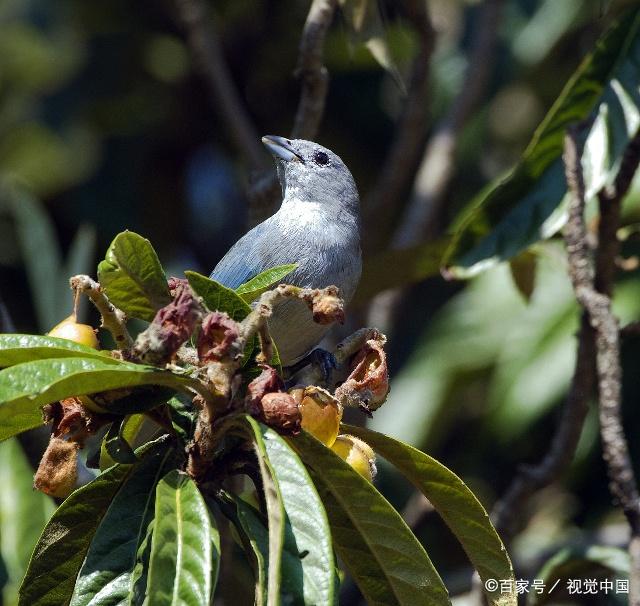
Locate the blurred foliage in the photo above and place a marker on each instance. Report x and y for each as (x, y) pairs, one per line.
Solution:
(103, 119)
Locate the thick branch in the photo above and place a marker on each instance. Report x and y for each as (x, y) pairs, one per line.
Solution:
(207, 54)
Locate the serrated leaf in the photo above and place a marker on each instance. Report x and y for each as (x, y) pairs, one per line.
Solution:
(377, 547)
(23, 514)
(26, 387)
(457, 505)
(132, 277)
(251, 290)
(306, 555)
(185, 549)
(218, 297)
(118, 546)
(59, 554)
(526, 206)
(15, 349)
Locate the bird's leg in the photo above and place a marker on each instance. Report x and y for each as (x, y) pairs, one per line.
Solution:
(322, 359)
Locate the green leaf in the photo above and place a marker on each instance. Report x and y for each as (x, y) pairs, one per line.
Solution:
(26, 387)
(457, 505)
(396, 268)
(23, 514)
(59, 554)
(116, 444)
(41, 254)
(218, 297)
(119, 546)
(377, 547)
(525, 207)
(183, 418)
(185, 549)
(129, 430)
(132, 277)
(15, 349)
(598, 562)
(251, 290)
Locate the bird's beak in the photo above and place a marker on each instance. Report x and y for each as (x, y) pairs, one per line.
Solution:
(281, 148)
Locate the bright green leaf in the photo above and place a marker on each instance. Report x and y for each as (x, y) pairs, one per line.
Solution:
(185, 549)
(251, 290)
(59, 554)
(15, 349)
(119, 543)
(218, 297)
(132, 277)
(23, 514)
(25, 388)
(525, 207)
(377, 547)
(457, 505)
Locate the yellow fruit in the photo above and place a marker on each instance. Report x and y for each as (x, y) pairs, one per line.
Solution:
(321, 413)
(357, 453)
(70, 329)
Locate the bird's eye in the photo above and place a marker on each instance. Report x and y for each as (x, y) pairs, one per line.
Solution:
(320, 158)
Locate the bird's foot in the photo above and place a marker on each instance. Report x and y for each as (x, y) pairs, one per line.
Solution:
(322, 359)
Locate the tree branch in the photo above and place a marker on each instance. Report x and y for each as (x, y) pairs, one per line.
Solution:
(311, 71)
(399, 165)
(208, 57)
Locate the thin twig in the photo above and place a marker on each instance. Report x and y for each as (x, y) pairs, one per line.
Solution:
(113, 319)
(207, 54)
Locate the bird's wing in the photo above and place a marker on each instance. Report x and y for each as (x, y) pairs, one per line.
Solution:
(245, 259)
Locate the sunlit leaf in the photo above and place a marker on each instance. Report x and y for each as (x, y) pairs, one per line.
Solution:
(119, 546)
(457, 505)
(185, 549)
(15, 349)
(526, 206)
(23, 514)
(377, 547)
(252, 289)
(218, 297)
(26, 387)
(132, 277)
(59, 554)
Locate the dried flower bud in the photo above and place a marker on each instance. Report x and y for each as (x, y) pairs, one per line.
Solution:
(171, 327)
(266, 382)
(368, 384)
(358, 454)
(217, 337)
(58, 471)
(72, 418)
(321, 413)
(327, 306)
(176, 284)
(280, 411)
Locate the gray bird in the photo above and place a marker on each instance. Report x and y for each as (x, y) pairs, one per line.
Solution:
(317, 227)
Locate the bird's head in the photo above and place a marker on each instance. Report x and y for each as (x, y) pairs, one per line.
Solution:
(309, 172)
